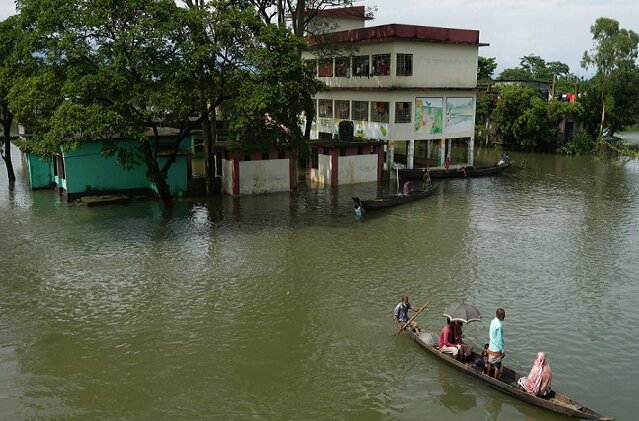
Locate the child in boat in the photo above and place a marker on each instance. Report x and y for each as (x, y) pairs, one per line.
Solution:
(483, 361)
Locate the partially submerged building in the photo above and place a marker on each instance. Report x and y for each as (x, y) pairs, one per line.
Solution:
(411, 87)
(88, 171)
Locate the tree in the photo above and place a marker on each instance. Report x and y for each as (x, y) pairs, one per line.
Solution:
(124, 69)
(621, 102)
(515, 73)
(525, 121)
(486, 67)
(613, 49)
(533, 67)
(304, 23)
(274, 90)
(120, 70)
(9, 36)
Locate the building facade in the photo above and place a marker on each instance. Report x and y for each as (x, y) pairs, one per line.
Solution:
(413, 87)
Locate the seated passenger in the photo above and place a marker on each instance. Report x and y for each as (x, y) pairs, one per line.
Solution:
(538, 380)
(407, 186)
(446, 343)
(482, 362)
(465, 349)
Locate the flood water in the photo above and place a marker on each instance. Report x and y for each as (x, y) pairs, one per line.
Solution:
(279, 307)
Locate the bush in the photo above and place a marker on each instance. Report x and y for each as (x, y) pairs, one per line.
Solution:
(580, 143)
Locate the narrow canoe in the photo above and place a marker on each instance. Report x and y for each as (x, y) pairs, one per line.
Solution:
(395, 200)
(418, 173)
(507, 383)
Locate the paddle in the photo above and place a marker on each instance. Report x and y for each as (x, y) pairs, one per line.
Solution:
(413, 318)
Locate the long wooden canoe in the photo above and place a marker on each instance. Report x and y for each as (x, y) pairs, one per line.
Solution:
(418, 173)
(386, 202)
(507, 383)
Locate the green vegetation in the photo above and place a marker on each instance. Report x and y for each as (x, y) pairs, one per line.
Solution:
(9, 36)
(99, 69)
(526, 117)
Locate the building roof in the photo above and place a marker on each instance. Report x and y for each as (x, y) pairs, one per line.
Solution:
(355, 12)
(393, 32)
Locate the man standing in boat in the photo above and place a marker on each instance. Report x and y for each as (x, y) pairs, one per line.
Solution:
(496, 350)
(401, 312)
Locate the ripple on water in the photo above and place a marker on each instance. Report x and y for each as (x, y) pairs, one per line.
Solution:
(279, 307)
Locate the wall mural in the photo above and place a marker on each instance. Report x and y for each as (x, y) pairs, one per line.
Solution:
(459, 115)
(428, 115)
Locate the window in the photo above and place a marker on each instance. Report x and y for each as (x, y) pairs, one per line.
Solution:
(326, 67)
(342, 67)
(360, 66)
(381, 65)
(326, 108)
(404, 64)
(311, 65)
(360, 110)
(379, 111)
(402, 112)
(342, 109)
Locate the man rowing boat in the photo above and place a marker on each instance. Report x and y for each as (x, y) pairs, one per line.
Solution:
(401, 311)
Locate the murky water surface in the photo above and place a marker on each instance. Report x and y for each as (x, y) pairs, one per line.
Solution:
(279, 307)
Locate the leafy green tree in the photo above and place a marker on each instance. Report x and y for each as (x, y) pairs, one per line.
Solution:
(533, 67)
(277, 87)
(9, 36)
(486, 67)
(525, 121)
(614, 48)
(122, 69)
(515, 73)
(129, 68)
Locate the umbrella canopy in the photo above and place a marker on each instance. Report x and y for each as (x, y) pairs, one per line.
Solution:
(462, 312)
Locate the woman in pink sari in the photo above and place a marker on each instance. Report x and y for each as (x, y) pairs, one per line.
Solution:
(539, 378)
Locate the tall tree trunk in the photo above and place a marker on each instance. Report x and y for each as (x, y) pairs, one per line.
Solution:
(281, 19)
(6, 156)
(213, 136)
(603, 116)
(157, 176)
(209, 163)
(163, 190)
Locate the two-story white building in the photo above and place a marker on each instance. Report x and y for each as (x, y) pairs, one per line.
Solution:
(412, 86)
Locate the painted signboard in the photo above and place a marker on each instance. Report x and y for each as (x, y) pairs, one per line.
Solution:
(459, 115)
(428, 115)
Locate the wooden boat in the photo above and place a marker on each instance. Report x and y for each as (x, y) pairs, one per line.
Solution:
(388, 201)
(507, 383)
(418, 173)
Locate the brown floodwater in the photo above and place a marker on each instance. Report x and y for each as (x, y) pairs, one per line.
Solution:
(279, 306)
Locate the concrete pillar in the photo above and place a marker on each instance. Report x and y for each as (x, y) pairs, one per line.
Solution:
(450, 149)
(471, 151)
(391, 155)
(410, 153)
(334, 153)
(442, 152)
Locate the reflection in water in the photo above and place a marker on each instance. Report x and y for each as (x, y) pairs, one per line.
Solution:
(279, 306)
(492, 407)
(456, 396)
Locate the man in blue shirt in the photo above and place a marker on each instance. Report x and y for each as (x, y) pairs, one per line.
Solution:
(401, 312)
(496, 348)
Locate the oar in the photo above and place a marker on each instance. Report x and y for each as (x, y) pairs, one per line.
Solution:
(413, 318)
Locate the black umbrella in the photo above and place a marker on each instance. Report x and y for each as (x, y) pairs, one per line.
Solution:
(462, 312)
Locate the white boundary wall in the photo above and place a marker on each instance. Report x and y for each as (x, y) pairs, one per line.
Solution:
(262, 176)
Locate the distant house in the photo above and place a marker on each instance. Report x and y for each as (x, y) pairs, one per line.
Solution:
(412, 87)
(87, 171)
